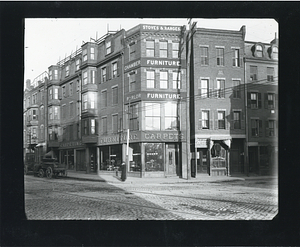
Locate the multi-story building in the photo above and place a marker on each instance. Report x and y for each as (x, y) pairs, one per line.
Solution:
(179, 103)
(217, 118)
(261, 77)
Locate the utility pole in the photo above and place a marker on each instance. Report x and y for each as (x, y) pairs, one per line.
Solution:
(189, 90)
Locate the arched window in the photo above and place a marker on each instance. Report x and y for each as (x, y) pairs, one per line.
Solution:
(259, 51)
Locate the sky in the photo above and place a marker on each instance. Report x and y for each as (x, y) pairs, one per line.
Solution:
(47, 41)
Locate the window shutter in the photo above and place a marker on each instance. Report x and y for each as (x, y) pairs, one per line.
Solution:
(267, 128)
(259, 100)
(112, 45)
(266, 100)
(216, 120)
(119, 67)
(108, 72)
(260, 128)
(210, 123)
(231, 121)
(249, 100)
(276, 100)
(242, 121)
(200, 123)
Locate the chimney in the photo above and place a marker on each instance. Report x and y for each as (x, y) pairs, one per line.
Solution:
(28, 82)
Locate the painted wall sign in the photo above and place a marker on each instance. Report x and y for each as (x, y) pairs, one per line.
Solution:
(70, 144)
(163, 96)
(162, 136)
(133, 97)
(132, 65)
(116, 139)
(156, 96)
(201, 143)
(162, 62)
(161, 28)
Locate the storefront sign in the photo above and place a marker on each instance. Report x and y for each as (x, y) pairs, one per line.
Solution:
(162, 136)
(132, 65)
(70, 144)
(116, 139)
(161, 63)
(161, 28)
(133, 97)
(163, 96)
(201, 143)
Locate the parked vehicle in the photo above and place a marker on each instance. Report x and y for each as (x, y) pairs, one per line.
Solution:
(49, 167)
(29, 163)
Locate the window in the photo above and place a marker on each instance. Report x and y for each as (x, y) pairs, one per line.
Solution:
(204, 55)
(132, 48)
(176, 80)
(50, 94)
(132, 82)
(115, 123)
(220, 56)
(108, 47)
(115, 95)
(84, 102)
(150, 48)
(55, 96)
(171, 116)
(134, 117)
(204, 121)
(237, 120)
(56, 115)
(50, 113)
(150, 79)
(203, 88)
(114, 69)
(221, 88)
(93, 126)
(77, 64)
(104, 98)
(67, 70)
(259, 51)
(85, 78)
(256, 126)
(71, 109)
(34, 115)
(270, 74)
(270, 128)
(64, 91)
(254, 100)
(221, 119)
(152, 116)
(92, 100)
(175, 49)
(71, 88)
(253, 73)
(236, 58)
(93, 76)
(275, 52)
(236, 89)
(84, 55)
(34, 98)
(92, 53)
(50, 75)
(269, 100)
(163, 76)
(33, 133)
(85, 127)
(104, 125)
(104, 74)
(163, 49)
(55, 74)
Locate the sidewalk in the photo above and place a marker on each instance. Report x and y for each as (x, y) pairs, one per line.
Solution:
(201, 178)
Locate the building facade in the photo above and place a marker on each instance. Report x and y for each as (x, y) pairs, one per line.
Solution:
(261, 77)
(168, 101)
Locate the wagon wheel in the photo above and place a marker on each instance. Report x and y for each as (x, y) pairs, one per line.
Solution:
(41, 173)
(25, 170)
(49, 172)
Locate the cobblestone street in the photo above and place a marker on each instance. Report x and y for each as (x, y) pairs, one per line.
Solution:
(66, 198)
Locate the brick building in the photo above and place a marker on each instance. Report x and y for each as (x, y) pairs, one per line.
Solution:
(219, 133)
(135, 82)
(261, 77)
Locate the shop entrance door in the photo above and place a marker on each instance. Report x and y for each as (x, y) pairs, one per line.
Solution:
(171, 159)
(234, 161)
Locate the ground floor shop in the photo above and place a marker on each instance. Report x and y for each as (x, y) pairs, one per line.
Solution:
(150, 154)
(263, 159)
(218, 156)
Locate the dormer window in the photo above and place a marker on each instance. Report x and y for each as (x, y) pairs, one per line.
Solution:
(77, 64)
(275, 52)
(84, 55)
(108, 47)
(259, 51)
(67, 70)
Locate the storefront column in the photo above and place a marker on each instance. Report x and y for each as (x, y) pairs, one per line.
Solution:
(87, 160)
(74, 150)
(228, 162)
(98, 159)
(142, 160)
(258, 160)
